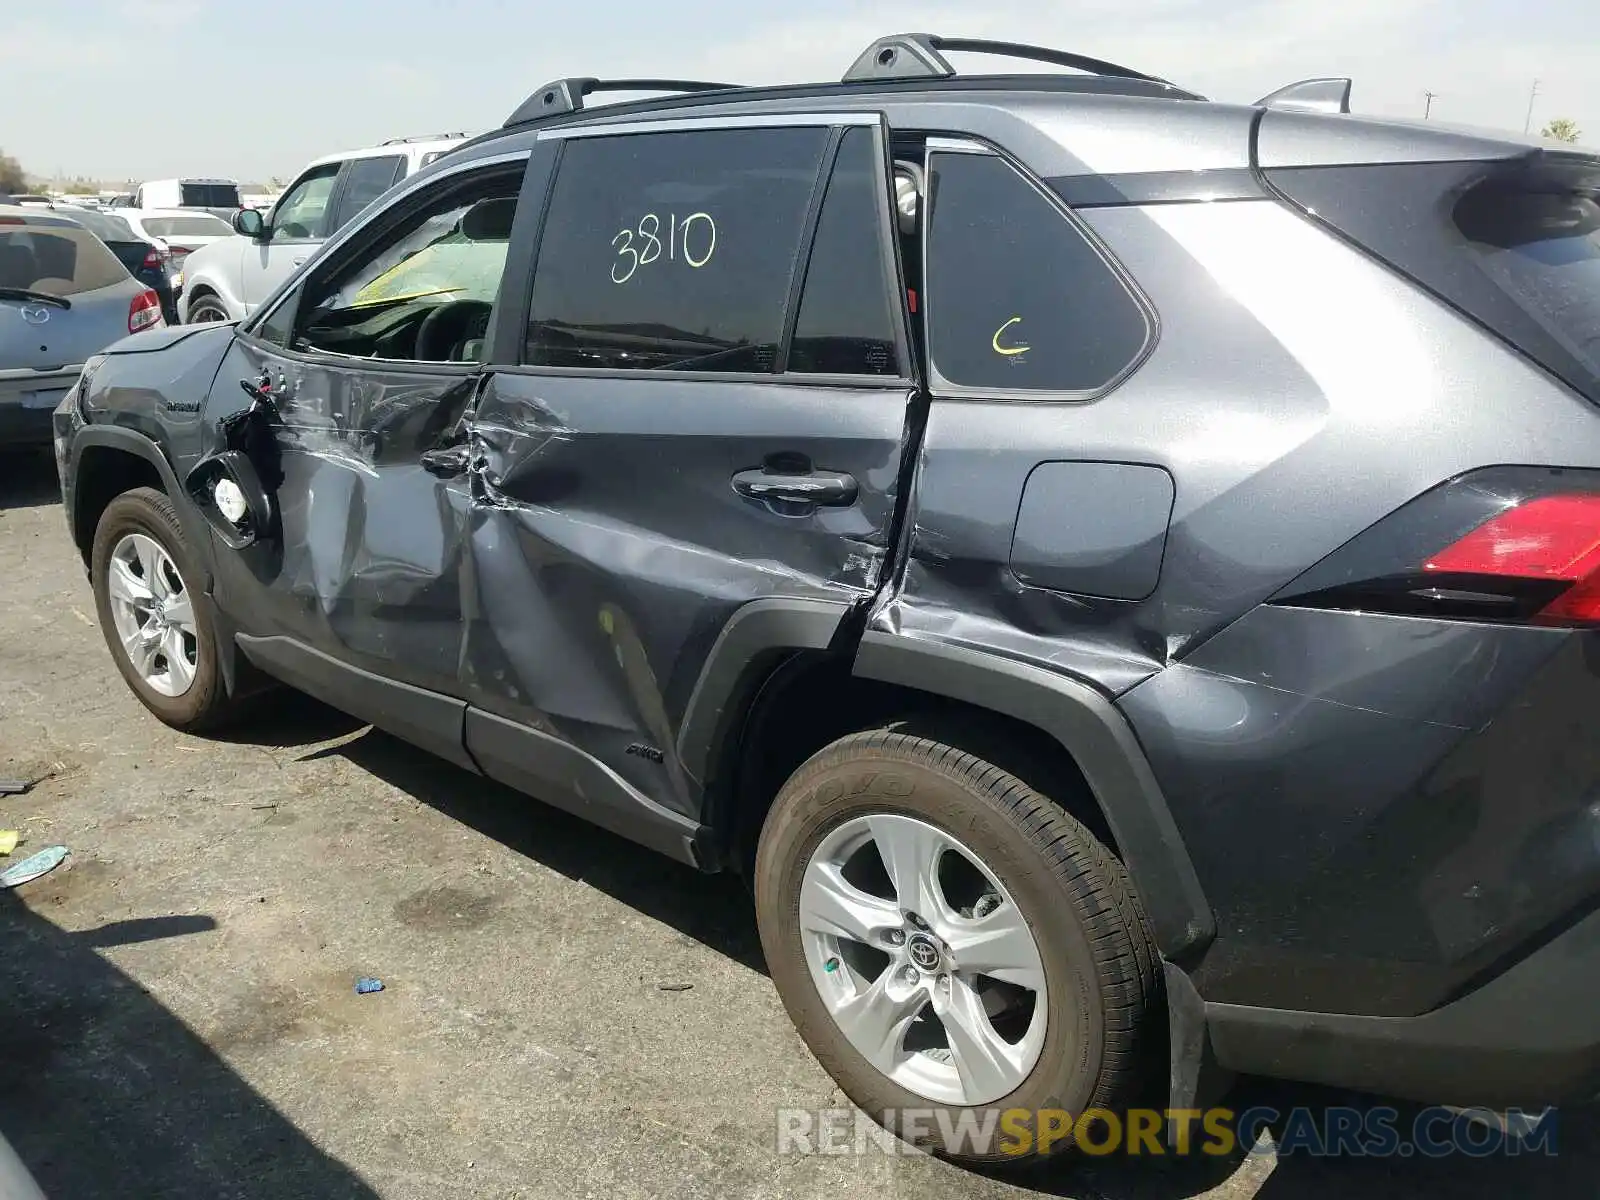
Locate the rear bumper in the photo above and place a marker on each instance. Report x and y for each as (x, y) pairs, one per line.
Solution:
(1529, 1037)
(27, 398)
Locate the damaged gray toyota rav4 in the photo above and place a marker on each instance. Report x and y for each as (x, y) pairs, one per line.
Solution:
(1119, 573)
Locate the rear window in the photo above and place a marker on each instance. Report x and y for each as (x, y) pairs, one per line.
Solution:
(62, 262)
(1544, 249)
(106, 228)
(209, 195)
(196, 226)
(1513, 244)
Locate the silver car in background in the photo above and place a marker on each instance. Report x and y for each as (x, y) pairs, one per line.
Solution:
(63, 297)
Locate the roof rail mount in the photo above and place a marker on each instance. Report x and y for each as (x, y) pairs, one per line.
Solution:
(567, 95)
(1330, 95)
(918, 56)
(421, 137)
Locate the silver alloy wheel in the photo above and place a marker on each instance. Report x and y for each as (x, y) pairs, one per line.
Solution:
(153, 616)
(926, 985)
(205, 312)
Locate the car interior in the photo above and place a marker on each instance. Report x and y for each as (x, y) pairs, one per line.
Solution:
(427, 293)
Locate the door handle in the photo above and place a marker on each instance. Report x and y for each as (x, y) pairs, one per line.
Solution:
(301, 261)
(447, 461)
(833, 488)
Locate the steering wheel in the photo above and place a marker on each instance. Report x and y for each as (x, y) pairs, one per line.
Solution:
(445, 328)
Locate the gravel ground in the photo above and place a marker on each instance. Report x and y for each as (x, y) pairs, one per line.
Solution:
(177, 1002)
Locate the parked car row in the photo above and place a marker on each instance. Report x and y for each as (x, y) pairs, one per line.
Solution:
(77, 275)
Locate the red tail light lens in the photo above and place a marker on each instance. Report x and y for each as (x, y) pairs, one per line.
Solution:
(144, 312)
(155, 257)
(1548, 539)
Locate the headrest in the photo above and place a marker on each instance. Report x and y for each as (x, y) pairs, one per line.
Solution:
(490, 220)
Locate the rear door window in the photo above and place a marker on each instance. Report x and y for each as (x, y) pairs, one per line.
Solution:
(845, 325)
(1018, 298)
(673, 250)
(364, 181)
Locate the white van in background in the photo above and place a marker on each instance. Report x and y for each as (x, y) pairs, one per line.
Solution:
(219, 196)
(226, 280)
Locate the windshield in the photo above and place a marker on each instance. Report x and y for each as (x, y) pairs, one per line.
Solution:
(106, 228)
(1544, 249)
(58, 261)
(199, 225)
(209, 195)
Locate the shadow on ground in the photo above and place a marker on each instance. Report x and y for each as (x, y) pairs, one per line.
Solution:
(28, 479)
(716, 911)
(713, 909)
(107, 1094)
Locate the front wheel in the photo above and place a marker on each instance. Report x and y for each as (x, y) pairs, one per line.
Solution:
(954, 945)
(158, 629)
(206, 309)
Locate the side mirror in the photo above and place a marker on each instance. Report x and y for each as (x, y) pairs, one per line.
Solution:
(249, 222)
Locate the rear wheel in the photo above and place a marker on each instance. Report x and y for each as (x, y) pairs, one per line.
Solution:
(158, 629)
(950, 942)
(205, 309)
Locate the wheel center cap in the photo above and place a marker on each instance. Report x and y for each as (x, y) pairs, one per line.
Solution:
(923, 953)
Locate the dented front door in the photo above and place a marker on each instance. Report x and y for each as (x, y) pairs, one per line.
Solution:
(368, 565)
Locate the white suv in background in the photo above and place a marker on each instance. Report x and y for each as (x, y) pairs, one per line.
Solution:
(228, 279)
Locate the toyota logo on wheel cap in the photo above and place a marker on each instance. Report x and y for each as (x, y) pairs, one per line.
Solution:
(924, 953)
(35, 314)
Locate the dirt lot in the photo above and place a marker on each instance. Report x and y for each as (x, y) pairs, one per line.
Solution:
(177, 1002)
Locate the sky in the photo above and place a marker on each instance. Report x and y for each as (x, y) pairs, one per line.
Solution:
(137, 89)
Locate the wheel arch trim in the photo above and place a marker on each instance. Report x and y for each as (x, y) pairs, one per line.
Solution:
(1100, 741)
(128, 441)
(758, 628)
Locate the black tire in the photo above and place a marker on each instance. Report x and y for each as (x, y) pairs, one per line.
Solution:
(206, 308)
(206, 703)
(1100, 967)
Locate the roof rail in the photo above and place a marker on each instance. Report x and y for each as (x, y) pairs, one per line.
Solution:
(567, 95)
(422, 137)
(1330, 95)
(917, 55)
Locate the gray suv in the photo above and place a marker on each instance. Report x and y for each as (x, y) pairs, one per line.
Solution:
(1118, 573)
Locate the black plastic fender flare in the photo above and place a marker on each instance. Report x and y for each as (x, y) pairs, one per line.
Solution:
(1100, 740)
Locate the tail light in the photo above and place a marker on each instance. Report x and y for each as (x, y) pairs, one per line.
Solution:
(1508, 544)
(144, 312)
(1550, 543)
(155, 258)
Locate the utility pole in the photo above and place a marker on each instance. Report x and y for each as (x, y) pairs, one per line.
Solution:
(1527, 124)
(1427, 107)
